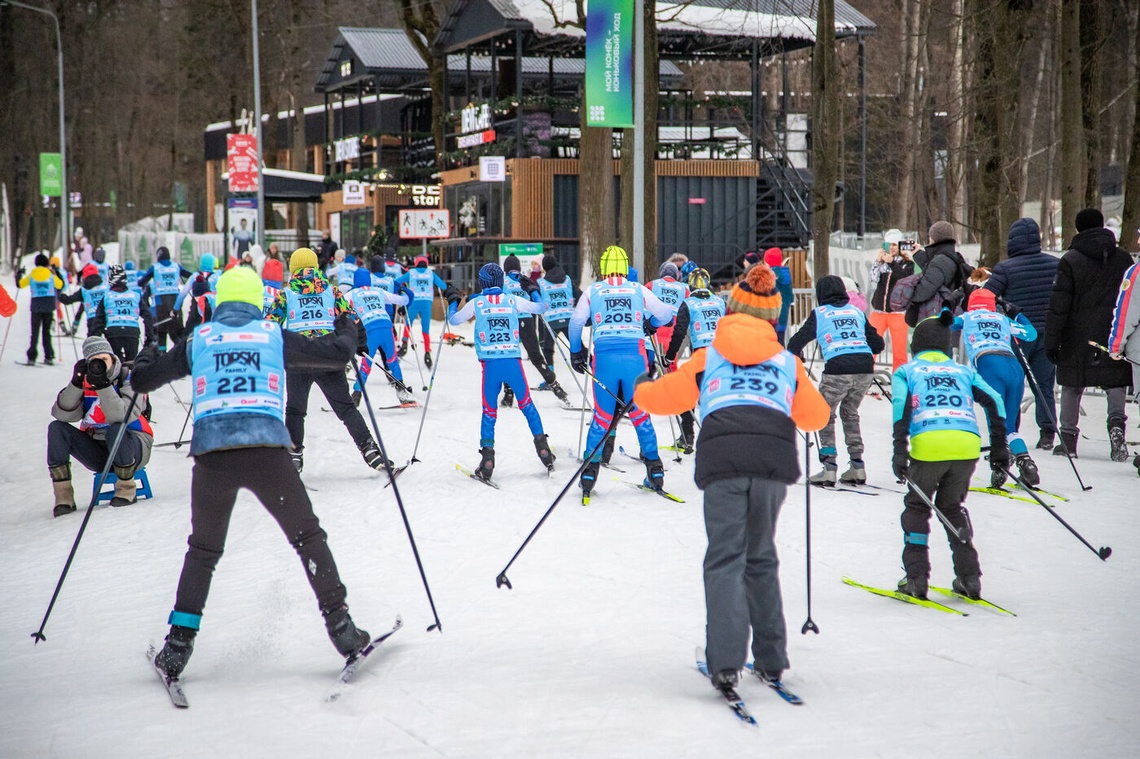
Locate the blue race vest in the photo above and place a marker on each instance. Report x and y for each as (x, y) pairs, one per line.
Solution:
(212, 282)
(345, 273)
(166, 276)
(770, 385)
(384, 282)
(942, 396)
(369, 304)
(496, 327)
(840, 331)
(310, 311)
(985, 332)
(422, 281)
(393, 269)
(42, 288)
(704, 315)
(103, 269)
(559, 300)
(92, 297)
(122, 309)
(238, 370)
(269, 295)
(133, 280)
(511, 286)
(669, 293)
(617, 311)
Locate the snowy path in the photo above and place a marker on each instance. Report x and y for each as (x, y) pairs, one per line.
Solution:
(590, 654)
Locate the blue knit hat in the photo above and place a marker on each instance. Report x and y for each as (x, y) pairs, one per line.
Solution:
(491, 275)
(207, 262)
(362, 278)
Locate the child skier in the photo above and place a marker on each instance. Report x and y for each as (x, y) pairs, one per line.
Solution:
(559, 293)
(272, 276)
(167, 277)
(90, 294)
(672, 292)
(422, 282)
(849, 344)
(240, 441)
(616, 310)
(45, 286)
(933, 400)
(206, 273)
(697, 318)
(497, 347)
(752, 395)
(370, 304)
(117, 317)
(986, 335)
(774, 257)
(526, 288)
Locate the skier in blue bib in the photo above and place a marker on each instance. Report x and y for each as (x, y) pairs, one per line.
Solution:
(422, 282)
(117, 317)
(238, 363)
(986, 334)
(91, 290)
(371, 305)
(849, 345)
(559, 293)
(497, 346)
(514, 283)
(698, 314)
(616, 310)
(168, 278)
(206, 272)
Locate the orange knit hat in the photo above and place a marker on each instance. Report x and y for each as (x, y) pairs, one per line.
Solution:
(756, 295)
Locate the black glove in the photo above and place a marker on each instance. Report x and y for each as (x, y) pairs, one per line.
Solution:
(652, 372)
(649, 328)
(452, 294)
(643, 377)
(98, 376)
(667, 362)
(580, 360)
(1011, 309)
(899, 465)
(20, 275)
(999, 457)
(78, 373)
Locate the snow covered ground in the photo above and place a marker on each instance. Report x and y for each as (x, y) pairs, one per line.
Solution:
(591, 653)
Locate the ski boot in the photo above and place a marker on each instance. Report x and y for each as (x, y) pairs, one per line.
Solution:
(1046, 441)
(1116, 440)
(64, 492)
(542, 447)
(124, 486)
(298, 456)
(427, 359)
(344, 634)
(508, 399)
(404, 395)
(856, 474)
(1027, 469)
(825, 477)
(726, 681)
(684, 444)
(487, 465)
(403, 349)
(654, 473)
(176, 652)
(1068, 445)
(969, 586)
(372, 456)
(356, 396)
(589, 478)
(915, 587)
(608, 448)
(559, 393)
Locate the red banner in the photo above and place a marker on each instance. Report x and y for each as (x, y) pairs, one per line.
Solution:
(241, 162)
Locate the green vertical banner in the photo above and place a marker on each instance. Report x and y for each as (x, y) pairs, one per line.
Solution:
(609, 63)
(51, 175)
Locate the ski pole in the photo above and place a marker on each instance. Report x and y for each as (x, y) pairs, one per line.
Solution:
(1103, 553)
(184, 423)
(809, 625)
(427, 399)
(502, 580)
(1039, 394)
(38, 635)
(562, 353)
(658, 359)
(396, 491)
(942, 517)
(1105, 348)
(419, 363)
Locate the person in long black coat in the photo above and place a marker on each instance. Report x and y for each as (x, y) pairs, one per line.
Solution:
(1080, 309)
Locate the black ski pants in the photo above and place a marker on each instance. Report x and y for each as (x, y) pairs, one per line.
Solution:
(335, 388)
(124, 342)
(269, 474)
(548, 336)
(946, 484)
(168, 321)
(529, 339)
(41, 323)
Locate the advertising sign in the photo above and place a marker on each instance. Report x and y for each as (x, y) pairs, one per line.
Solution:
(416, 223)
(51, 175)
(243, 225)
(609, 63)
(352, 193)
(492, 168)
(241, 162)
(529, 255)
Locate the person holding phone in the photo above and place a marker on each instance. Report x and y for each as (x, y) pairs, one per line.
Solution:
(892, 263)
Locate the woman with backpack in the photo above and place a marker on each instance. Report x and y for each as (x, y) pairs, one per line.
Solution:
(892, 264)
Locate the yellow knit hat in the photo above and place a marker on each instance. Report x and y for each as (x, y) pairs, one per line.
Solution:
(302, 258)
(614, 260)
(240, 284)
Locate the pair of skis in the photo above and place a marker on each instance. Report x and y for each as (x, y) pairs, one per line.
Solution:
(353, 665)
(733, 700)
(948, 592)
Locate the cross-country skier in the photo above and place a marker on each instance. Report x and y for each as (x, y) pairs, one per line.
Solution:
(309, 305)
(240, 441)
(117, 317)
(91, 290)
(849, 345)
(422, 282)
(616, 310)
(496, 316)
(343, 271)
(167, 277)
(206, 273)
(672, 292)
(201, 304)
(986, 334)
(774, 257)
(933, 399)
(559, 293)
(527, 289)
(45, 286)
(371, 305)
(752, 394)
(697, 317)
(272, 277)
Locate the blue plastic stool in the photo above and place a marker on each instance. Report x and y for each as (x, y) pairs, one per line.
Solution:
(142, 485)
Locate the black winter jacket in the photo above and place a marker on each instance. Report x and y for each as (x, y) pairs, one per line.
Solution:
(888, 276)
(1080, 309)
(1026, 277)
(941, 267)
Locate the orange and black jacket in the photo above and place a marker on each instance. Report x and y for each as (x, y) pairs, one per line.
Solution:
(739, 441)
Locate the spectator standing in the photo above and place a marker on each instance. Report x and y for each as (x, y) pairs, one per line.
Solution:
(327, 250)
(943, 271)
(891, 265)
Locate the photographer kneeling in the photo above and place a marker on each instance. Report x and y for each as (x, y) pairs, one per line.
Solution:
(98, 398)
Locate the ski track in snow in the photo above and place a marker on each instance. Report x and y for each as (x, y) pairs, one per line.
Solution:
(589, 654)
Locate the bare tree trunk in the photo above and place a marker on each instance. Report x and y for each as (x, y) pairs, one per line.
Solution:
(1048, 222)
(1131, 215)
(1092, 80)
(956, 201)
(1072, 134)
(421, 25)
(825, 135)
(1029, 130)
(904, 199)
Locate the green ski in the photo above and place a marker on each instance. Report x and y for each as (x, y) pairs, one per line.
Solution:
(976, 601)
(904, 597)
